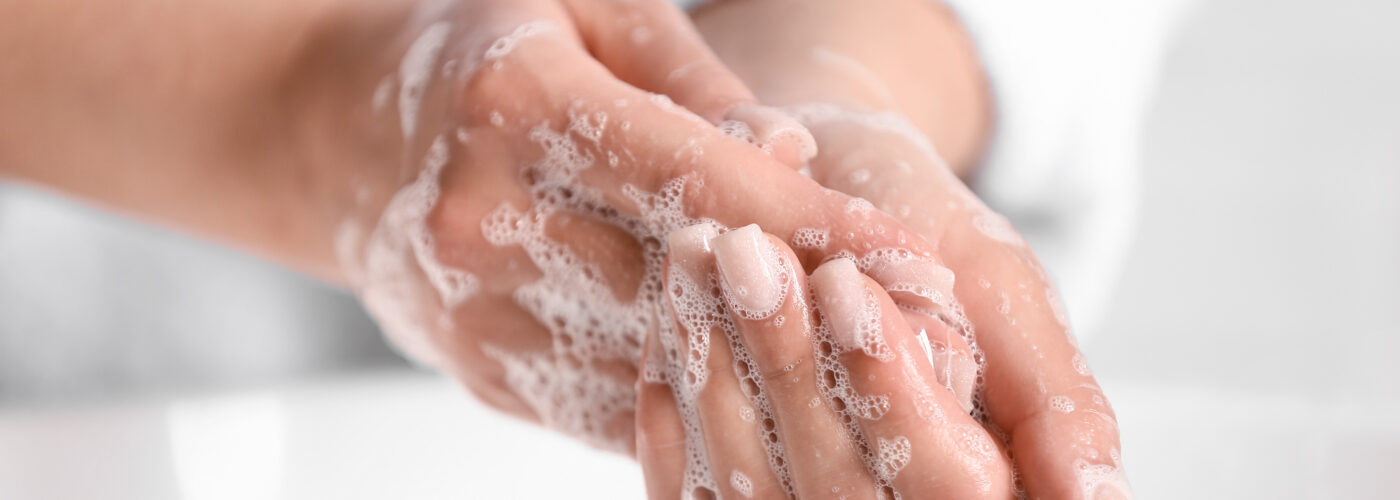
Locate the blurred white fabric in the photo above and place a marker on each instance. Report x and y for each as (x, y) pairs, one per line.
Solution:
(1071, 80)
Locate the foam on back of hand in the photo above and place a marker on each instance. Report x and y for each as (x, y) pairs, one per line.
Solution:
(571, 386)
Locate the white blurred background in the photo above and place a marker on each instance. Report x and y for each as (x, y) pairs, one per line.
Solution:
(1249, 343)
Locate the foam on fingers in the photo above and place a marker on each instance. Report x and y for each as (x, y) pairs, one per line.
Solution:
(850, 309)
(949, 453)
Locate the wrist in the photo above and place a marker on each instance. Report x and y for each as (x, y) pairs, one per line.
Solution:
(908, 56)
(347, 133)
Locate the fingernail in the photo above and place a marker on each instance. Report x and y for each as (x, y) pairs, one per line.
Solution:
(773, 130)
(963, 379)
(914, 281)
(752, 273)
(847, 307)
(689, 248)
(955, 370)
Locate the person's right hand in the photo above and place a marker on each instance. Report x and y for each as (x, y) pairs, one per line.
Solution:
(519, 249)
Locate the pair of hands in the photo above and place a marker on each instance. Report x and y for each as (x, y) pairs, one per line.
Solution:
(523, 251)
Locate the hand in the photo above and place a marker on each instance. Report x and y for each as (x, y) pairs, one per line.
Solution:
(520, 248)
(870, 112)
(839, 400)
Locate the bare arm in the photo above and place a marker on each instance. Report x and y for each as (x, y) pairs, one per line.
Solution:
(190, 113)
(908, 56)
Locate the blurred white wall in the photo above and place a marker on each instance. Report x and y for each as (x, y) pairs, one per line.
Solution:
(1252, 345)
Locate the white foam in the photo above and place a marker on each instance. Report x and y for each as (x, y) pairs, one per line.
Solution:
(504, 45)
(1096, 479)
(859, 207)
(1062, 404)
(741, 483)
(590, 327)
(400, 247)
(811, 238)
(893, 455)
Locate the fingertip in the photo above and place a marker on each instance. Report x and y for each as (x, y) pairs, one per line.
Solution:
(915, 281)
(775, 132)
(849, 307)
(1070, 453)
(689, 247)
(752, 271)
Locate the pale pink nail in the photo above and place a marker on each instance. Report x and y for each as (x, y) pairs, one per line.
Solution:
(753, 275)
(846, 306)
(917, 282)
(689, 248)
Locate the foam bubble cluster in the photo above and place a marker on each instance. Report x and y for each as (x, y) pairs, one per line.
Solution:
(741, 484)
(811, 238)
(593, 327)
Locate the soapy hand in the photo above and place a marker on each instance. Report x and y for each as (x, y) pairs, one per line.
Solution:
(520, 248)
(821, 388)
(873, 82)
(1038, 387)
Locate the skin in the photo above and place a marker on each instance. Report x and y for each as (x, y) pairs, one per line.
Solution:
(1029, 349)
(256, 126)
(253, 125)
(952, 455)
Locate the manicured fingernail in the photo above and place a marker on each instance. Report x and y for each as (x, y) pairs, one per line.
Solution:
(776, 132)
(955, 370)
(914, 281)
(689, 248)
(848, 307)
(963, 379)
(754, 277)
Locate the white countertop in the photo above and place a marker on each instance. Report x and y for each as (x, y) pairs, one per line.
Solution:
(414, 436)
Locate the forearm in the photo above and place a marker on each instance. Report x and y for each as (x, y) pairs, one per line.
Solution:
(909, 56)
(193, 114)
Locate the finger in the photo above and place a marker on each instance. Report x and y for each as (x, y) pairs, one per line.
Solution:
(608, 136)
(767, 299)
(924, 291)
(736, 447)
(772, 131)
(734, 185)
(642, 157)
(1039, 388)
(924, 445)
(652, 45)
(661, 442)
